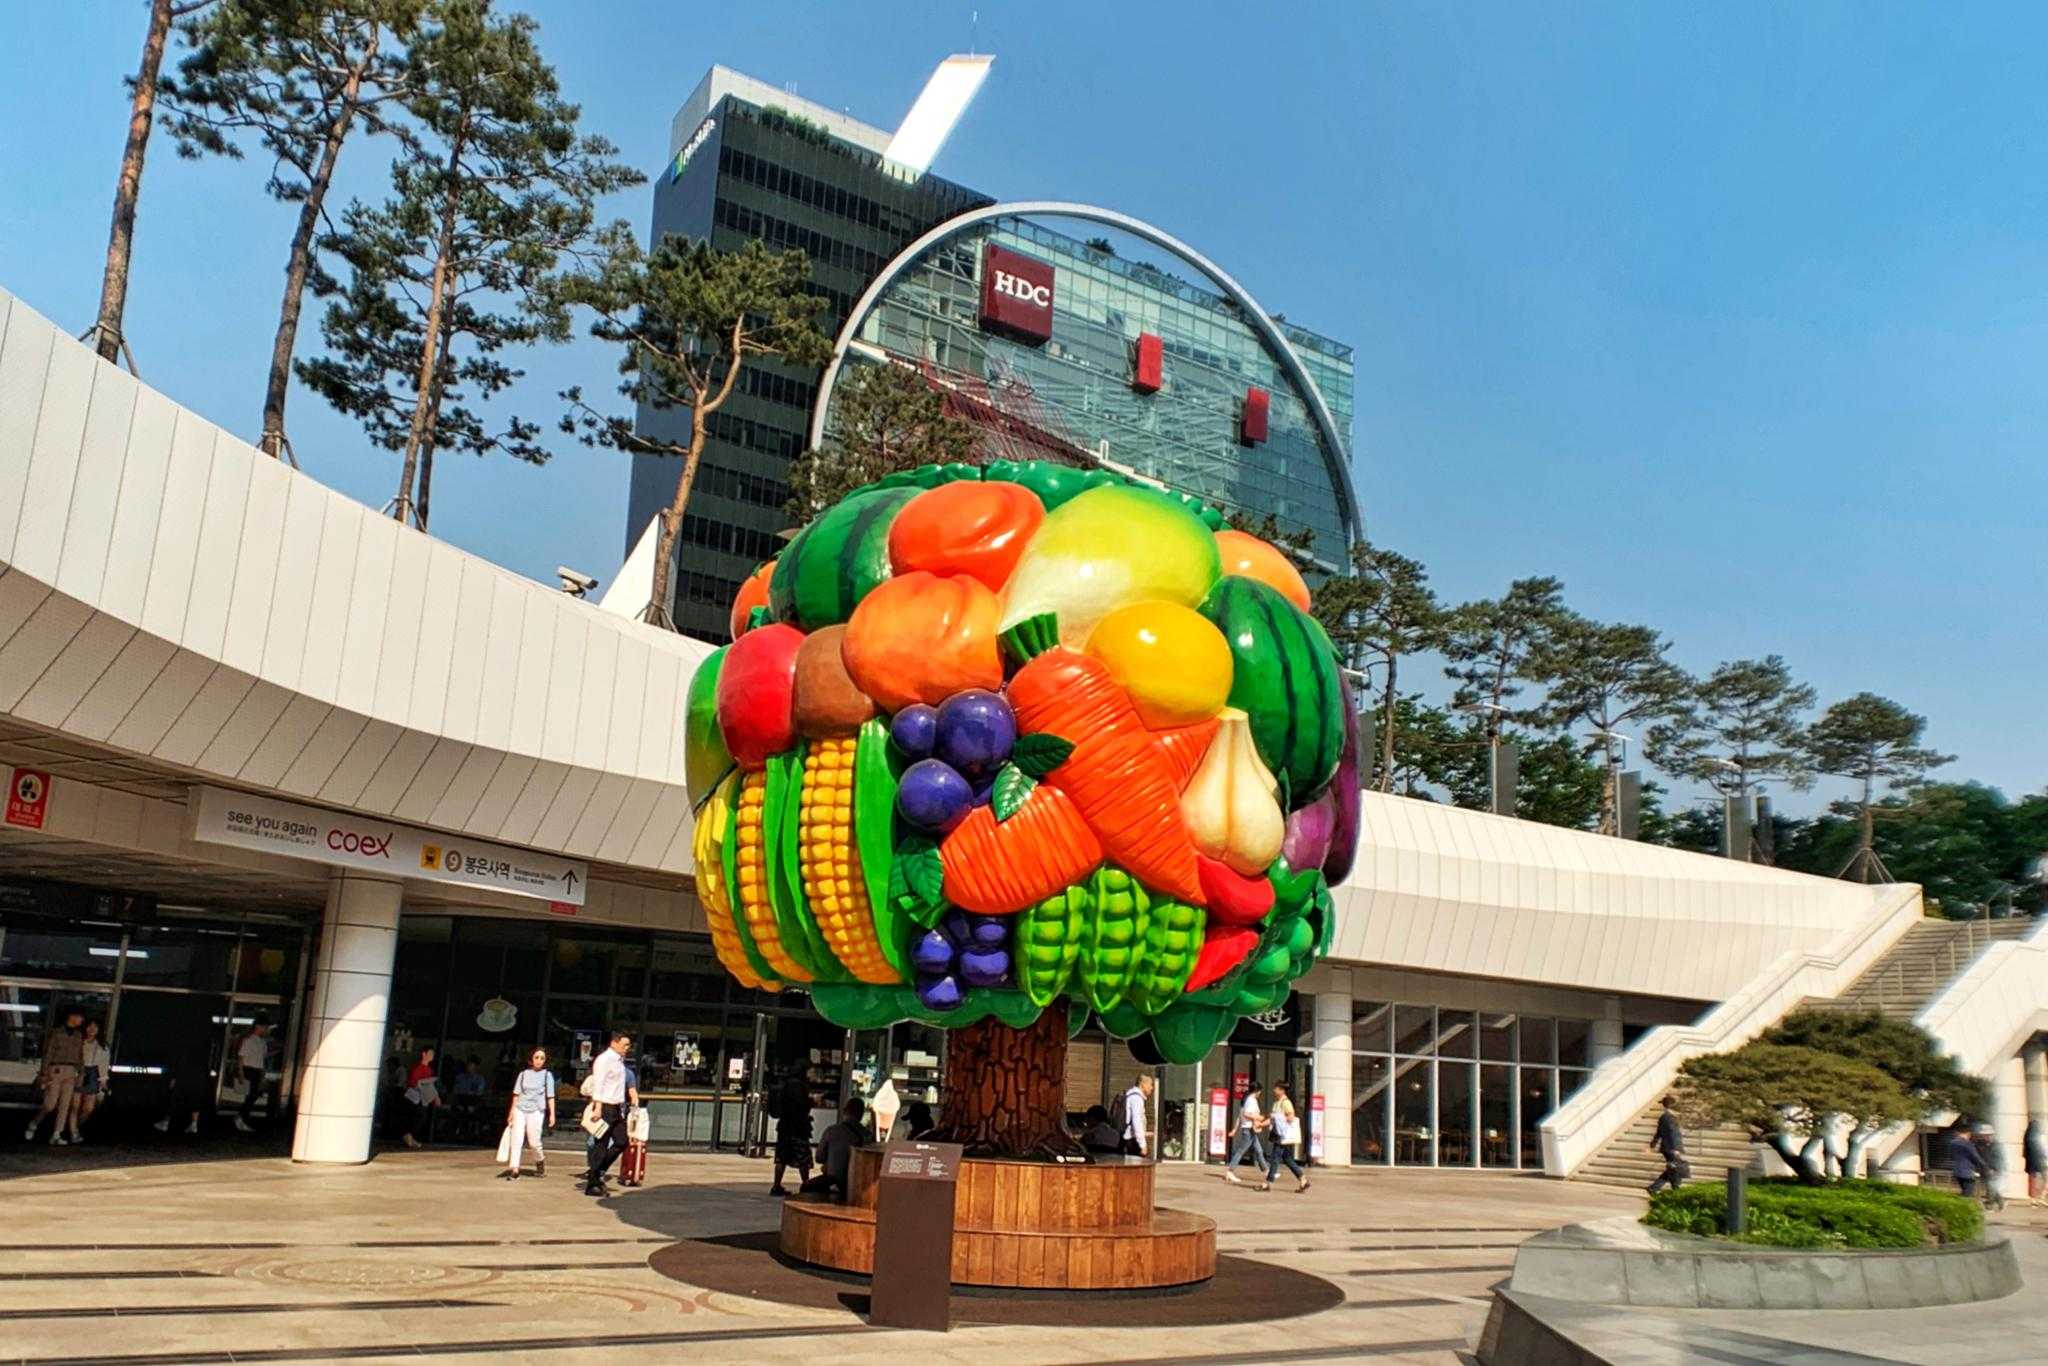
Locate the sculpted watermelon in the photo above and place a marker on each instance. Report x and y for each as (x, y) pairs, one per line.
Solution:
(1285, 680)
(837, 560)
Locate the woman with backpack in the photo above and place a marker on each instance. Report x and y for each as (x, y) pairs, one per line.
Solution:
(533, 1100)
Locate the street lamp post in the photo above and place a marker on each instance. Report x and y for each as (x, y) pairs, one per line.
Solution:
(1502, 762)
(1626, 787)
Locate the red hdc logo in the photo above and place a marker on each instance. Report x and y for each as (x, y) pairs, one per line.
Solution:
(1016, 294)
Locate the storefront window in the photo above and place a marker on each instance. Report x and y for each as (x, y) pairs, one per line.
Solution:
(33, 945)
(1454, 1094)
(195, 957)
(582, 965)
(1457, 1033)
(1569, 1080)
(1496, 1037)
(1414, 1113)
(1572, 1039)
(1496, 1116)
(1371, 1096)
(269, 960)
(1415, 1029)
(1537, 1103)
(1538, 1042)
(1372, 1027)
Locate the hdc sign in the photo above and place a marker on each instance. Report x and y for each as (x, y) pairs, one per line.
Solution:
(1016, 294)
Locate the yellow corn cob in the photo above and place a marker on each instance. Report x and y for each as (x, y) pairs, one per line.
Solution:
(712, 891)
(750, 864)
(831, 865)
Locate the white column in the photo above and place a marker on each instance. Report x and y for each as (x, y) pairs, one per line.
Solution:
(1603, 1041)
(345, 1021)
(2009, 1123)
(1333, 1070)
(2035, 1056)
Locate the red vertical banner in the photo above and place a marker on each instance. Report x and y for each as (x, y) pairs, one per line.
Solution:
(1251, 424)
(1219, 1120)
(1148, 370)
(1315, 1128)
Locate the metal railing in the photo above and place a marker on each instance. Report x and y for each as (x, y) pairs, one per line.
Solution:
(1891, 987)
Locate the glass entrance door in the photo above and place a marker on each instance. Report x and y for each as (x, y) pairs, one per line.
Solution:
(28, 1012)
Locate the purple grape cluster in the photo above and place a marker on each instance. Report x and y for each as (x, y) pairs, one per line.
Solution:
(957, 747)
(964, 951)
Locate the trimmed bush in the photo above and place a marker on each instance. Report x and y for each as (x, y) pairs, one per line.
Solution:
(1849, 1214)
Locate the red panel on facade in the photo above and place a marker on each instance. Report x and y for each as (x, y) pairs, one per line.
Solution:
(1146, 374)
(1016, 294)
(1251, 425)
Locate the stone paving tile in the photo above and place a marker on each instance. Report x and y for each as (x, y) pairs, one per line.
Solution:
(423, 1256)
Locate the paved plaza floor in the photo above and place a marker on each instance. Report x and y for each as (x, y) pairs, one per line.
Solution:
(227, 1256)
(152, 1254)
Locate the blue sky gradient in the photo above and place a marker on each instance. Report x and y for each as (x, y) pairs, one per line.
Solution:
(1733, 319)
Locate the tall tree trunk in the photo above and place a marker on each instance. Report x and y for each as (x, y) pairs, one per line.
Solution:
(121, 236)
(1006, 1088)
(301, 259)
(426, 405)
(657, 611)
(1866, 849)
(1610, 821)
(1387, 726)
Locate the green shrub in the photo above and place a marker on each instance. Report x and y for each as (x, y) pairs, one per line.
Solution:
(1854, 1214)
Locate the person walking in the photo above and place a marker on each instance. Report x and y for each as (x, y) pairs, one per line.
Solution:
(606, 1089)
(790, 1108)
(1669, 1141)
(532, 1113)
(63, 1060)
(1246, 1133)
(1286, 1133)
(191, 1071)
(92, 1082)
(423, 1089)
(254, 1060)
(1134, 1131)
(2035, 1151)
(1965, 1164)
(1993, 1158)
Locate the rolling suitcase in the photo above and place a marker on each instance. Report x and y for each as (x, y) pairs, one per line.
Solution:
(633, 1165)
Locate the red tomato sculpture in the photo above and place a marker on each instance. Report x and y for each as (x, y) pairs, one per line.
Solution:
(757, 694)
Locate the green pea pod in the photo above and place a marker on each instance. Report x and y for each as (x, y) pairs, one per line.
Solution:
(1123, 1021)
(782, 850)
(728, 854)
(1184, 1032)
(1113, 936)
(874, 828)
(1173, 939)
(1047, 940)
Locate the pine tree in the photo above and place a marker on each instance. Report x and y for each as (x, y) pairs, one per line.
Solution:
(1740, 726)
(1488, 643)
(885, 418)
(689, 318)
(1606, 676)
(106, 334)
(494, 189)
(1871, 740)
(1380, 613)
(300, 78)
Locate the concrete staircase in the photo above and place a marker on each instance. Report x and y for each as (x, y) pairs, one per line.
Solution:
(1926, 958)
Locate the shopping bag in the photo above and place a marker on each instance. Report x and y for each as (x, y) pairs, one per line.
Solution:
(505, 1147)
(638, 1122)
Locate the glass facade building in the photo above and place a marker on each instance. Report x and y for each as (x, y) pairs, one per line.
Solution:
(754, 172)
(1080, 384)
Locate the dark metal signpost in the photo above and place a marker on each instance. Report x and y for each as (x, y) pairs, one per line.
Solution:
(913, 1278)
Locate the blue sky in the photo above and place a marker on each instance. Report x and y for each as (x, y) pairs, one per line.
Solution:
(1733, 318)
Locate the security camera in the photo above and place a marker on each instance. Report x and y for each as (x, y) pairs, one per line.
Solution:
(574, 582)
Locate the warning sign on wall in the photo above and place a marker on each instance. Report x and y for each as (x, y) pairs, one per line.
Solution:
(28, 798)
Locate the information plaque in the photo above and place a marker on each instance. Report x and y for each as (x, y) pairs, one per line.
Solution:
(913, 1278)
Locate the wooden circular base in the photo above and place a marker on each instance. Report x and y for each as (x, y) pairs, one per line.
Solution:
(1026, 1224)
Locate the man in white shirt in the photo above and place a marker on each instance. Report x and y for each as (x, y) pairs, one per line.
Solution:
(254, 1058)
(1251, 1124)
(1137, 1132)
(608, 1090)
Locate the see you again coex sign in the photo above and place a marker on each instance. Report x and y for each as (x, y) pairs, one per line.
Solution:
(1016, 294)
(368, 845)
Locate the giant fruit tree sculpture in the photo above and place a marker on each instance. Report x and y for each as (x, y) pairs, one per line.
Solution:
(1000, 748)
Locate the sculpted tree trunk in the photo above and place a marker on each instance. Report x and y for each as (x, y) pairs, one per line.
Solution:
(1006, 1088)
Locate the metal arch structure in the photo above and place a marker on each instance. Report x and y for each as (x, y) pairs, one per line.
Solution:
(1269, 331)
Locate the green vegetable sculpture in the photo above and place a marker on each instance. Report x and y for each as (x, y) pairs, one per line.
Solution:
(996, 749)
